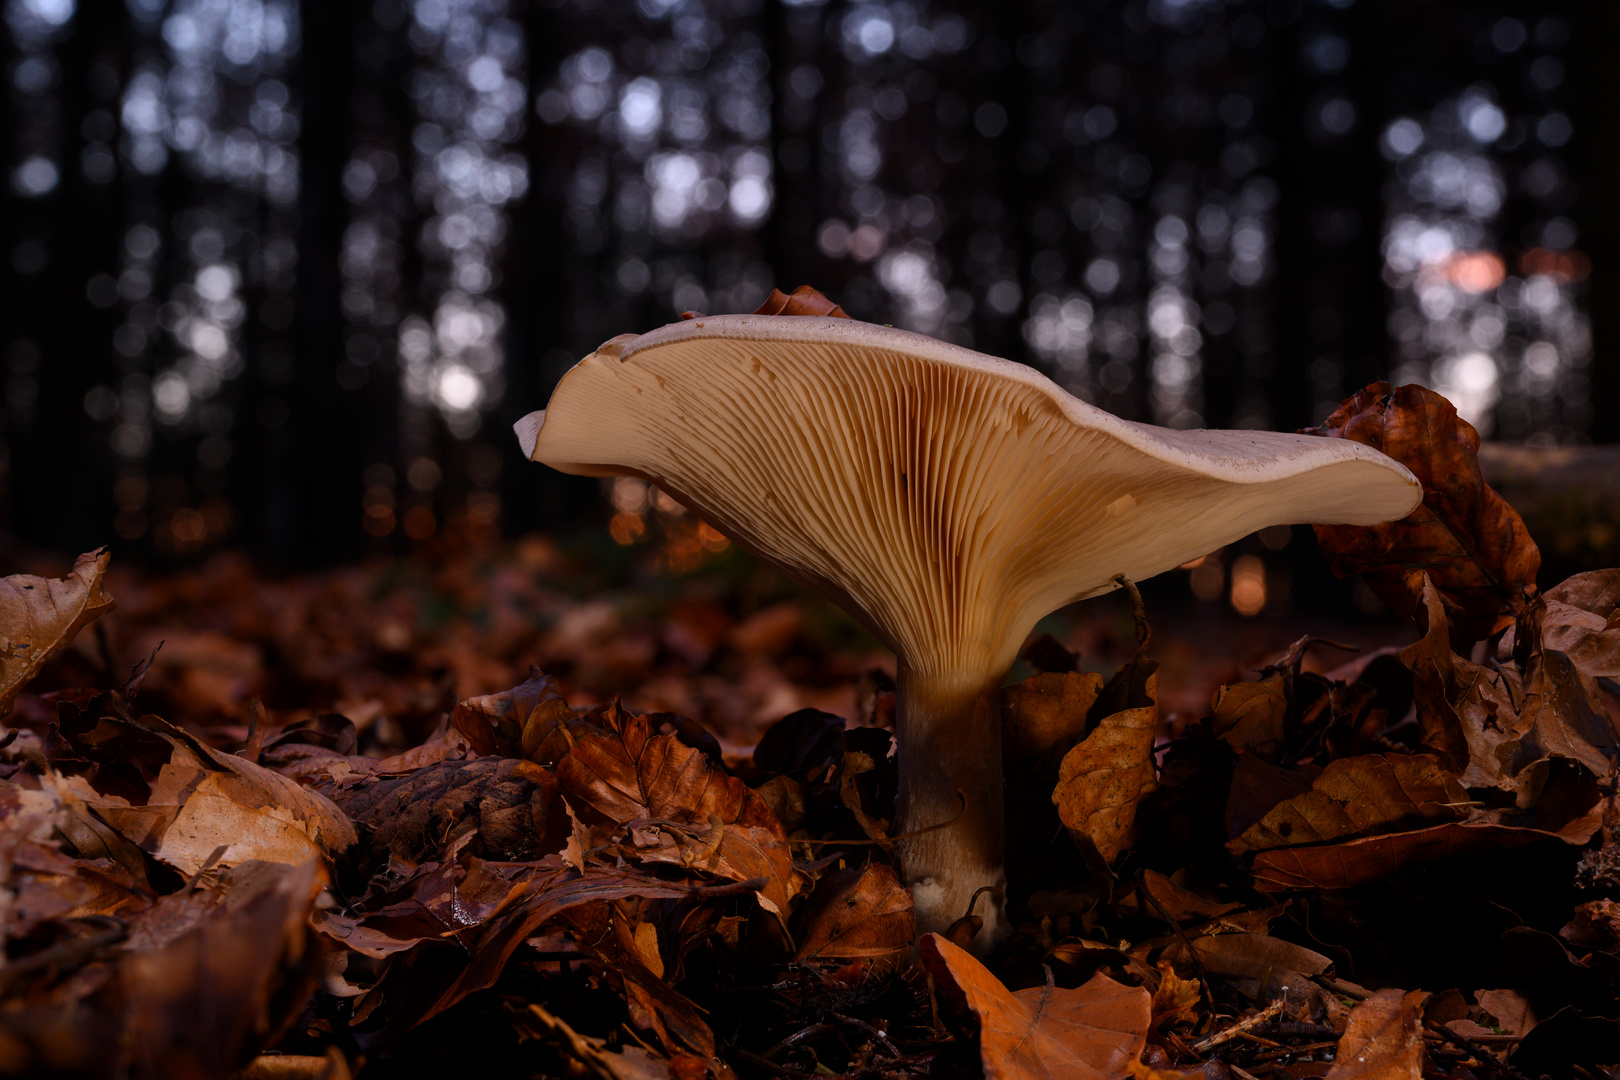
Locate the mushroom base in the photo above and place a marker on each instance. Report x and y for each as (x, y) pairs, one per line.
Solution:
(950, 742)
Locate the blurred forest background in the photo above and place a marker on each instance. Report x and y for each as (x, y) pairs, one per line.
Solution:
(280, 275)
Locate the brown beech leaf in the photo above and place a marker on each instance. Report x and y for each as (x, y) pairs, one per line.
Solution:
(1089, 1033)
(859, 913)
(1464, 535)
(1510, 1009)
(1174, 997)
(1169, 899)
(1383, 1039)
(802, 301)
(204, 800)
(684, 810)
(1356, 796)
(1581, 622)
(1103, 779)
(1258, 786)
(206, 1001)
(1253, 956)
(1559, 719)
(1249, 716)
(40, 616)
(1466, 713)
(1046, 711)
(1339, 866)
(530, 721)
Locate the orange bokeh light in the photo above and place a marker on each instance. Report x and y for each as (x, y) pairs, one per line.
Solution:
(1475, 271)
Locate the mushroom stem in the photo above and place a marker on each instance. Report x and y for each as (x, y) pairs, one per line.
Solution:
(950, 768)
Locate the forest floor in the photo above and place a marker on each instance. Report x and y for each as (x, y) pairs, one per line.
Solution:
(624, 811)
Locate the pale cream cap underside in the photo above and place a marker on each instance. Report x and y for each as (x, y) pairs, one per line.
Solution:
(946, 498)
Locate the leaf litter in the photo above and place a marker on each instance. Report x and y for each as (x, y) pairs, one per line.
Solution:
(341, 825)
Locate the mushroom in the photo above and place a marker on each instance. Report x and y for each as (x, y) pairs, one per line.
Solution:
(947, 500)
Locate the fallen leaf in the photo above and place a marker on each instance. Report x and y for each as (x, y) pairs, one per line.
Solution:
(1255, 956)
(1089, 1033)
(1356, 796)
(1339, 866)
(1595, 925)
(1103, 779)
(1510, 1009)
(40, 616)
(1258, 786)
(1249, 716)
(531, 721)
(802, 301)
(631, 775)
(1174, 998)
(859, 913)
(1167, 899)
(1464, 536)
(1383, 1040)
(1046, 711)
(1580, 622)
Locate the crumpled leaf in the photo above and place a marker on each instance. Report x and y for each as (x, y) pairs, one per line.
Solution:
(1582, 621)
(802, 301)
(1383, 1039)
(40, 616)
(530, 721)
(204, 800)
(1166, 898)
(1089, 1033)
(1470, 542)
(860, 913)
(679, 808)
(1356, 796)
(1103, 779)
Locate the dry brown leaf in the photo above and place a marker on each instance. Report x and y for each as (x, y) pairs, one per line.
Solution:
(1103, 779)
(682, 808)
(860, 913)
(1383, 1040)
(1046, 711)
(1174, 997)
(1249, 716)
(1464, 535)
(1339, 866)
(531, 721)
(802, 301)
(1581, 623)
(1251, 956)
(204, 800)
(1166, 898)
(1510, 1009)
(1089, 1033)
(1356, 796)
(40, 616)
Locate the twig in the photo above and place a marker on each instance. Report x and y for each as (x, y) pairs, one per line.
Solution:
(1175, 927)
(1284, 1051)
(1238, 1028)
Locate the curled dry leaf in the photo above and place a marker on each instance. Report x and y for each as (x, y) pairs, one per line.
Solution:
(860, 913)
(204, 800)
(1357, 796)
(1166, 898)
(530, 721)
(1089, 1033)
(682, 809)
(1383, 1039)
(1464, 536)
(1250, 716)
(40, 616)
(804, 300)
(1105, 777)
(1582, 621)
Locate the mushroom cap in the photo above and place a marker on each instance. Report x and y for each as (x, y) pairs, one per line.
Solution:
(947, 499)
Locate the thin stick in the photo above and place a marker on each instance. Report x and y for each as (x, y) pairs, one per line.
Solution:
(1238, 1028)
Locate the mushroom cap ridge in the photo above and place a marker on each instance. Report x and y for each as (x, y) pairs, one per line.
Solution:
(946, 498)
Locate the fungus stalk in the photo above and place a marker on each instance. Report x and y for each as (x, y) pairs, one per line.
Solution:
(950, 800)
